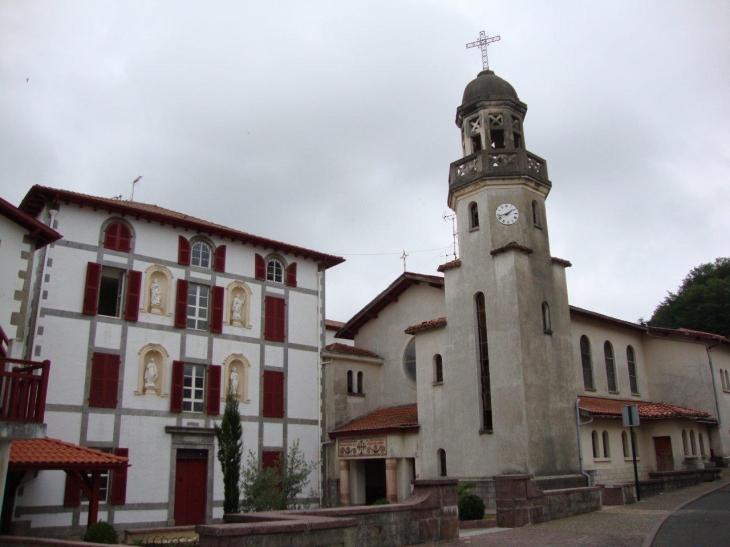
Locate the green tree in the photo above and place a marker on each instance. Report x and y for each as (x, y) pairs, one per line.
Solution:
(230, 450)
(701, 303)
(278, 487)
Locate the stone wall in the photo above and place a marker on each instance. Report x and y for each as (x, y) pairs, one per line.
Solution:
(430, 514)
(484, 488)
(520, 502)
(619, 475)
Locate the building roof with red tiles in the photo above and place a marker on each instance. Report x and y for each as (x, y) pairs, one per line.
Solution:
(351, 351)
(405, 281)
(39, 232)
(329, 324)
(396, 419)
(47, 453)
(38, 196)
(449, 265)
(427, 325)
(648, 410)
(511, 246)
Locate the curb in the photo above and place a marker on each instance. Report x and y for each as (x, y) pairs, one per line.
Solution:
(655, 530)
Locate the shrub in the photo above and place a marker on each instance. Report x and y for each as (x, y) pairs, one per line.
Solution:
(471, 507)
(101, 532)
(381, 501)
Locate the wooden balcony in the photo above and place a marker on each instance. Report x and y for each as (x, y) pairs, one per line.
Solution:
(23, 388)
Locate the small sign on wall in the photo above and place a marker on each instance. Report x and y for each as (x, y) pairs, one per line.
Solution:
(630, 415)
(372, 447)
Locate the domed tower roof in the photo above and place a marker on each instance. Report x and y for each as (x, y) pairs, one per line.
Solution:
(487, 87)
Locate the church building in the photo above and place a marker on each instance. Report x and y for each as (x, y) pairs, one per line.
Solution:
(487, 369)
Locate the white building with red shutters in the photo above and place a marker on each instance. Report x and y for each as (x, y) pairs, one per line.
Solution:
(150, 316)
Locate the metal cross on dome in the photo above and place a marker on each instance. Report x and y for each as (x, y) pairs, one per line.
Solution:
(483, 43)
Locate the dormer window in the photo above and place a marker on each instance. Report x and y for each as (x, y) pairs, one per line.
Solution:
(201, 255)
(274, 271)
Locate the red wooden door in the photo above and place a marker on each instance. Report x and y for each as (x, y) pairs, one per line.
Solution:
(663, 451)
(190, 491)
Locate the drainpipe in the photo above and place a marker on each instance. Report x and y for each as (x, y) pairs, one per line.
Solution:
(46, 258)
(580, 445)
(714, 383)
(320, 321)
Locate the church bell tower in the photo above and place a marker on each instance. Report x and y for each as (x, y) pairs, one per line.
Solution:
(506, 298)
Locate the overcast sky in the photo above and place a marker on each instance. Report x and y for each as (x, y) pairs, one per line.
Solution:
(330, 125)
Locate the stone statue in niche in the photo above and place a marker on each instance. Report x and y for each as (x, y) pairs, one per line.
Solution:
(155, 295)
(233, 381)
(237, 309)
(150, 376)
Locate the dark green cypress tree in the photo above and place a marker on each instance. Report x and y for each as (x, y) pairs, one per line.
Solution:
(230, 449)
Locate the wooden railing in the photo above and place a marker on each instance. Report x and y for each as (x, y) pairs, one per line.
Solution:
(4, 343)
(23, 388)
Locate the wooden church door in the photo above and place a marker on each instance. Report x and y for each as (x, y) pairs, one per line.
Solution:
(191, 487)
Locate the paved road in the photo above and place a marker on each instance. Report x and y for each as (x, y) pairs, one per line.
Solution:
(704, 523)
(623, 526)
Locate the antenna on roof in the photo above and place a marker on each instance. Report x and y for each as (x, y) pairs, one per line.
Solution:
(134, 182)
(452, 217)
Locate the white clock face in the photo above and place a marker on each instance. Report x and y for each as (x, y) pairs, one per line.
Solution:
(507, 214)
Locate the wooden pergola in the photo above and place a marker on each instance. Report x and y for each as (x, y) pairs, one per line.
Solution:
(82, 465)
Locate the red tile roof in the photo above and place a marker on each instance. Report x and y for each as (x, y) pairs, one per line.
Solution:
(329, 324)
(38, 196)
(701, 334)
(384, 299)
(611, 408)
(561, 261)
(453, 264)
(386, 420)
(56, 454)
(427, 325)
(344, 349)
(512, 245)
(42, 234)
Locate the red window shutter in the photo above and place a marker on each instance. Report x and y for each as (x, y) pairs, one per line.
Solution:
(134, 291)
(91, 292)
(216, 316)
(270, 459)
(125, 239)
(181, 304)
(214, 390)
(273, 394)
(183, 251)
(279, 395)
(260, 267)
(176, 389)
(291, 275)
(111, 236)
(275, 319)
(72, 494)
(104, 380)
(119, 480)
(219, 259)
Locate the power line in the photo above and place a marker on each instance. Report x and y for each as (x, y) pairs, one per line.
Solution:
(394, 253)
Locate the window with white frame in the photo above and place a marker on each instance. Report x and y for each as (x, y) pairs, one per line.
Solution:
(201, 255)
(103, 480)
(111, 289)
(198, 301)
(194, 388)
(274, 271)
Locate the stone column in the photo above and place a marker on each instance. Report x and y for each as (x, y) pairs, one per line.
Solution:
(391, 479)
(344, 482)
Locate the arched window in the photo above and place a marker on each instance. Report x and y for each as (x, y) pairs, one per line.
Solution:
(442, 462)
(610, 367)
(547, 325)
(200, 255)
(409, 359)
(693, 442)
(536, 214)
(625, 444)
(631, 360)
(586, 362)
(722, 380)
(594, 442)
(606, 445)
(359, 383)
(486, 382)
(117, 237)
(438, 369)
(702, 446)
(684, 442)
(473, 216)
(727, 381)
(349, 382)
(274, 271)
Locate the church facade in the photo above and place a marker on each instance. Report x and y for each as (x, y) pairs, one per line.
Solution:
(149, 318)
(487, 369)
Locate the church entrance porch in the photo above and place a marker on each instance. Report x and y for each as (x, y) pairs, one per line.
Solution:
(375, 484)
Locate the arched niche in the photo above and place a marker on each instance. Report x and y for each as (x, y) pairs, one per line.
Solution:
(155, 356)
(239, 305)
(236, 364)
(157, 290)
